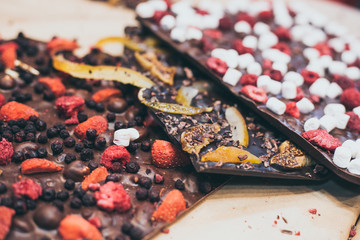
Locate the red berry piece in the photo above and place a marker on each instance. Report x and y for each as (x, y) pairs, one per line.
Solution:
(158, 15)
(27, 188)
(217, 65)
(309, 76)
(98, 123)
(6, 150)
(247, 18)
(350, 98)
(343, 81)
(240, 48)
(274, 74)
(248, 79)
(354, 122)
(8, 54)
(5, 220)
(166, 155)
(292, 109)
(299, 94)
(225, 23)
(283, 47)
(265, 16)
(206, 45)
(283, 34)
(322, 138)
(213, 33)
(14, 111)
(112, 196)
(115, 158)
(323, 48)
(171, 206)
(255, 93)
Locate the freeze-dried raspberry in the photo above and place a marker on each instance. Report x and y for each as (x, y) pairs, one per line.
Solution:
(274, 74)
(27, 188)
(240, 48)
(6, 150)
(292, 109)
(350, 98)
(343, 81)
(283, 34)
(217, 65)
(69, 106)
(115, 158)
(323, 49)
(112, 196)
(309, 76)
(255, 93)
(354, 122)
(247, 18)
(282, 47)
(322, 138)
(248, 79)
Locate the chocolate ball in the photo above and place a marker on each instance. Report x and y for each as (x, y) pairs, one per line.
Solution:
(76, 171)
(48, 217)
(117, 105)
(7, 82)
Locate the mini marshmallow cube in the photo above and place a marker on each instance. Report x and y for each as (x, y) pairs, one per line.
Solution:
(276, 55)
(305, 106)
(244, 60)
(276, 106)
(254, 68)
(357, 110)
(167, 22)
(342, 157)
(267, 40)
(288, 90)
(337, 67)
(182, 7)
(261, 28)
(316, 68)
(320, 87)
(294, 77)
(348, 57)
(332, 109)
(311, 124)
(353, 73)
(232, 76)
(178, 34)
(337, 44)
(342, 120)
(280, 66)
(354, 166)
(311, 53)
(274, 87)
(231, 58)
(334, 90)
(269, 85)
(325, 61)
(193, 33)
(242, 27)
(354, 148)
(328, 122)
(144, 10)
(219, 53)
(250, 42)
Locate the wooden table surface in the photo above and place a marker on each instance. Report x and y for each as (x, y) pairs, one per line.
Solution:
(246, 208)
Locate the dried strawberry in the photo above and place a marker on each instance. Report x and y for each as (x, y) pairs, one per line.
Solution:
(323, 49)
(166, 155)
(255, 93)
(98, 123)
(8, 54)
(240, 48)
(225, 23)
(343, 81)
(309, 76)
(354, 122)
(299, 94)
(322, 138)
(170, 207)
(246, 17)
(350, 98)
(206, 45)
(69, 106)
(14, 110)
(112, 196)
(217, 65)
(265, 16)
(2, 100)
(248, 79)
(104, 94)
(312, 211)
(115, 158)
(61, 44)
(283, 33)
(54, 84)
(74, 227)
(292, 109)
(6, 215)
(282, 47)
(96, 176)
(274, 74)
(27, 188)
(39, 165)
(6, 150)
(212, 33)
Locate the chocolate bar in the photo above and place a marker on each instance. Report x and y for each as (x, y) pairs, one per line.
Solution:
(61, 176)
(288, 64)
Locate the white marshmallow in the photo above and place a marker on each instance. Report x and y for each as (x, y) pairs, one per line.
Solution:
(298, 32)
(335, 28)
(124, 136)
(311, 124)
(235, 6)
(354, 166)
(320, 87)
(354, 148)
(281, 14)
(267, 40)
(232, 76)
(314, 37)
(311, 53)
(301, 19)
(178, 34)
(357, 110)
(276, 106)
(254, 68)
(242, 27)
(276, 55)
(147, 9)
(261, 28)
(294, 77)
(231, 58)
(342, 120)
(167, 22)
(333, 109)
(244, 60)
(337, 67)
(219, 53)
(334, 90)
(269, 85)
(305, 106)
(337, 44)
(328, 122)
(342, 157)
(250, 42)
(352, 73)
(182, 7)
(348, 57)
(325, 61)
(288, 90)
(193, 33)
(316, 68)
(280, 66)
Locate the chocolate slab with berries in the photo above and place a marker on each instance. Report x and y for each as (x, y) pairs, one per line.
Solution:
(288, 64)
(61, 176)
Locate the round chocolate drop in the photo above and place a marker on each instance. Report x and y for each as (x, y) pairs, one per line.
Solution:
(48, 217)
(7, 82)
(76, 171)
(117, 105)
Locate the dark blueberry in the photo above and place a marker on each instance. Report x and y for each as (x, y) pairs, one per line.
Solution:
(42, 152)
(15, 129)
(93, 165)
(70, 157)
(27, 97)
(42, 139)
(69, 142)
(100, 107)
(52, 132)
(30, 204)
(48, 95)
(100, 143)
(11, 123)
(27, 77)
(131, 124)
(145, 182)
(91, 134)
(136, 233)
(60, 126)
(205, 187)
(57, 147)
(88, 200)
(69, 184)
(145, 146)
(32, 51)
(64, 134)
(62, 195)
(20, 98)
(29, 128)
(58, 204)
(33, 118)
(20, 206)
(179, 185)
(130, 100)
(154, 195)
(111, 117)
(2, 66)
(141, 194)
(48, 194)
(95, 50)
(19, 137)
(132, 147)
(86, 154)
(132, 167)
(30, 137)
(18, 157)
(44, 70)
(7, 202)
(75, 203)
(5, 128)
(8, 136)
(90, 104)
(139, 120)
(40, 61)
(3, 188)
(79, 147)
(39, 88)
(45, 238)
(119, 125)
(126, 227)
(88, 144)
(79, 192)
(21, 122)
(82, 117)
(120, 237)
(40, 125)
(112, 178)
(30, 154)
